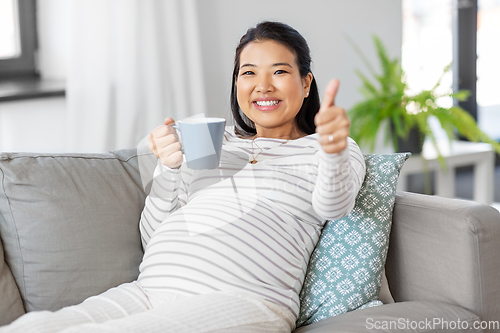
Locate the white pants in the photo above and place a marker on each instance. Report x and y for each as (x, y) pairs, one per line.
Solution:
(128, 308)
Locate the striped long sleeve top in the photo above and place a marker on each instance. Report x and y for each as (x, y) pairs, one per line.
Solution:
(246, 228)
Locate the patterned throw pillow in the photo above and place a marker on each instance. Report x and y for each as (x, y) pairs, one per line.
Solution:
(346, 267)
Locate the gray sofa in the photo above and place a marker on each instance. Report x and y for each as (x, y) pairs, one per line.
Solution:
(69, 230)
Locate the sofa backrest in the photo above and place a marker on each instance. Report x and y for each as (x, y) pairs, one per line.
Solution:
(69, 224)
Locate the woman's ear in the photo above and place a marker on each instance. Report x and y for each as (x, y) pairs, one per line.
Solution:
(307, 83)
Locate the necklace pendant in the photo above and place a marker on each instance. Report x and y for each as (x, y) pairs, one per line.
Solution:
(253, 161)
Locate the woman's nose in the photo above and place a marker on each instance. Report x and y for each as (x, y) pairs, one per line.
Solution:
(265, 84)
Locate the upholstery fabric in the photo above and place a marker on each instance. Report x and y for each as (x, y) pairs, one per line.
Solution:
(462, 237)
(11, 305)
(346, 267)
(69, 224)
(414, 317)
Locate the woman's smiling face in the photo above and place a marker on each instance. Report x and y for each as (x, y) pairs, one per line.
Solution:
(270, 90)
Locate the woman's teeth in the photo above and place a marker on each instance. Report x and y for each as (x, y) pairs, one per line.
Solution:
(266, 103)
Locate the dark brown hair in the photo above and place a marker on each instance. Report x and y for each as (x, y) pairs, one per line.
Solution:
(293, 40)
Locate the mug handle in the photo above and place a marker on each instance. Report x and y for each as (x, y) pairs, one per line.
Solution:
(177, 128)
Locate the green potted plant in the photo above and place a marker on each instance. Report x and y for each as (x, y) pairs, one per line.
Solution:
(386, 100)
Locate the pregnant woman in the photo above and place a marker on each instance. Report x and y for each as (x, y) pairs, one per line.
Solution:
(226, 250)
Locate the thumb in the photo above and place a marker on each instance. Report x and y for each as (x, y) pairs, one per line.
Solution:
(330, 94)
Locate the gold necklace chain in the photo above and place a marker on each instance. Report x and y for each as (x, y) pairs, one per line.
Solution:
(254, 157)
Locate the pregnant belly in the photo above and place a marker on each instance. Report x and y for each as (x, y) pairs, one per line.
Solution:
(225, 243)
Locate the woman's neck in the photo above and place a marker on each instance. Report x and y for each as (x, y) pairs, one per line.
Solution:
(285, 134)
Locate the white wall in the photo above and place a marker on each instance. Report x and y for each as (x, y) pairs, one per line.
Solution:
(324, 24)
(39, 125)
(35, 125)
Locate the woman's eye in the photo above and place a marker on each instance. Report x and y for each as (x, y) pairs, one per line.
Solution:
(280, 71)
(247, 73)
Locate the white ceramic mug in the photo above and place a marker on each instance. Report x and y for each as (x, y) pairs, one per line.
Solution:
(201, 140)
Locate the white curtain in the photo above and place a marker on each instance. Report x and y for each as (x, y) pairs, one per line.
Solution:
(132, 64)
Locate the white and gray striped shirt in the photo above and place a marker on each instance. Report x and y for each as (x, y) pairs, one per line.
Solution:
(246, 228)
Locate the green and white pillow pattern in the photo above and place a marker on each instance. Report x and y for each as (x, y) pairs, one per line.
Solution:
(345, 270)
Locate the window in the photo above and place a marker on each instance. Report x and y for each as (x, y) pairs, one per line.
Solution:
(436, 33)
(488, 66)
(17, 38)
(427, 44)
(9, 30)
(428, 49)
(488, 51)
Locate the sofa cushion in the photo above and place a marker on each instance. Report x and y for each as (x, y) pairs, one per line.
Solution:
(346, 267)
(415, 317)
(69, 224)
(11, 305)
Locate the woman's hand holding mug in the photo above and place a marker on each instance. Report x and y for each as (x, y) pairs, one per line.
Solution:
(164, 143)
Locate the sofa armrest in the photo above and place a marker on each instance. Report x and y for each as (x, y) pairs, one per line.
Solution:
(445, 250)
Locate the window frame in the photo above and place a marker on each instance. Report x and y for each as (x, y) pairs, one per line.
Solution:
(25, 65)
(465, 52)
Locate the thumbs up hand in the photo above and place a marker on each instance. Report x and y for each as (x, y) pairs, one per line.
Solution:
(332, 123)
